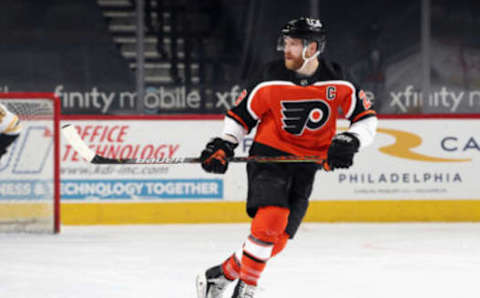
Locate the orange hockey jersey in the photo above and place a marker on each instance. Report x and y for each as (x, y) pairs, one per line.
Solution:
(297, 115)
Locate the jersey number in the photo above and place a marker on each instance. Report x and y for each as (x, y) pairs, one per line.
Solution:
(298, 115)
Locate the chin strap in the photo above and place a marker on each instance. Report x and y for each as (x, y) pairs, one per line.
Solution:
(305, 59)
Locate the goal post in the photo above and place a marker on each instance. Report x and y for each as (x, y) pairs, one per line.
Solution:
(30, 170)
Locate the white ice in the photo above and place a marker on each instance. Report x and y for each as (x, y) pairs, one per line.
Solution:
(324, 260)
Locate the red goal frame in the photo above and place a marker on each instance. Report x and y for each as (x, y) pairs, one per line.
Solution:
(56, 143)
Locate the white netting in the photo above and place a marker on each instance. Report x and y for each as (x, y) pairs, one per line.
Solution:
(27, 170)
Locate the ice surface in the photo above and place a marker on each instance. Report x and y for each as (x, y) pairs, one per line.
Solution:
(324, 260)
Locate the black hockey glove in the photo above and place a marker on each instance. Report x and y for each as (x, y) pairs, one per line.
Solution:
(5, 142)
(341, 151)
(215, 155)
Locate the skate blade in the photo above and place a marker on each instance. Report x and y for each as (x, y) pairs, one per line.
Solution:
(201, 285)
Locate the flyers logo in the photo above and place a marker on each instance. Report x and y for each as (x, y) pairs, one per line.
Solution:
(298, 115)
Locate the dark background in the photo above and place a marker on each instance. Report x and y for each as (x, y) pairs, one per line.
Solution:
(206, 48)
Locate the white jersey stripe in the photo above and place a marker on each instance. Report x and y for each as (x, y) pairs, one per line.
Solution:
(365, 130)
(232, 129)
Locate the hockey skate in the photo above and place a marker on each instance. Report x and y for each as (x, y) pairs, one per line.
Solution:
(212, 283)
(243, 290)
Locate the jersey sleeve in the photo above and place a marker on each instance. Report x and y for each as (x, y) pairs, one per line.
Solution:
(356, 105)
(363, 107)
(251, 104)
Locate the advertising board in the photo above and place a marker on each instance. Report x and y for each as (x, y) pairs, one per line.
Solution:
(412, 161)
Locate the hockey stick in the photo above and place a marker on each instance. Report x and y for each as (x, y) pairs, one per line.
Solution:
(79, 146)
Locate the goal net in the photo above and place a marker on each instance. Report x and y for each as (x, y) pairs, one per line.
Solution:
(29, 171)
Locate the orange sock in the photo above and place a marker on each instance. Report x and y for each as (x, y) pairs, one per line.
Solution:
(280, 244)
(268, 227)
(231, 268)
(251, 269)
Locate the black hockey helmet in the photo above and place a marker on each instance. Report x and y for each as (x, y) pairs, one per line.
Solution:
(308, 29)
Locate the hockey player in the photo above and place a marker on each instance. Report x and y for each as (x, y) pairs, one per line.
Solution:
(294, 105)
(9, 129)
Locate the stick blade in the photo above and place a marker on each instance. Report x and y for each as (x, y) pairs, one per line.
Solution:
(77, 143)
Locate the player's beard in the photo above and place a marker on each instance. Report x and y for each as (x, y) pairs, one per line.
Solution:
(293, 63)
